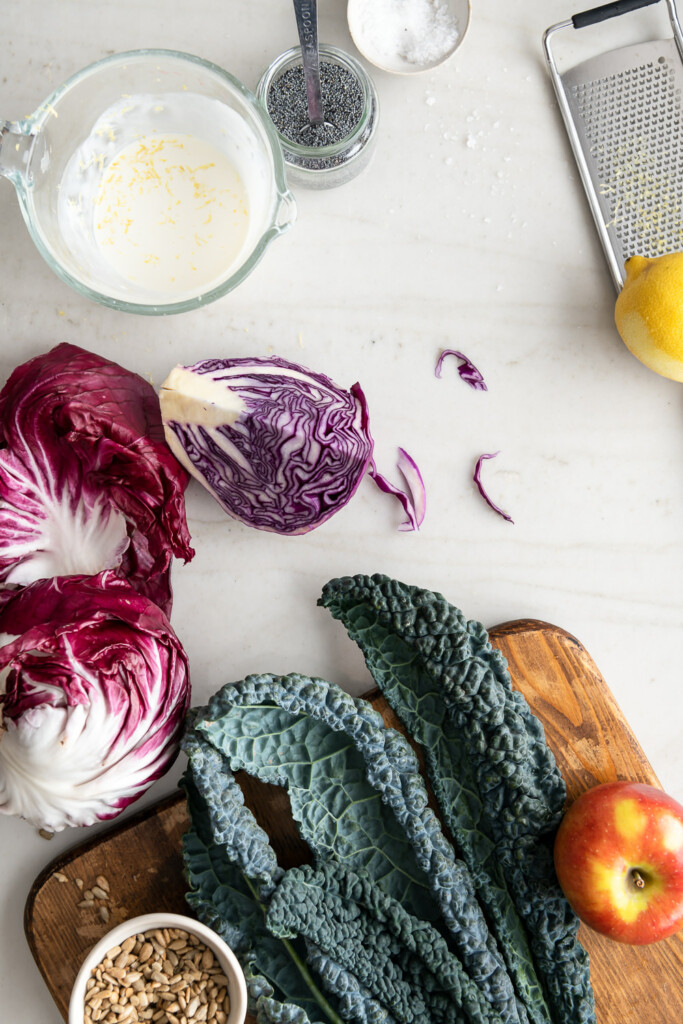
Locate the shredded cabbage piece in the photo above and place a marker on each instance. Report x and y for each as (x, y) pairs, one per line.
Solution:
(414, 499)
(477, 479)
(467, 370)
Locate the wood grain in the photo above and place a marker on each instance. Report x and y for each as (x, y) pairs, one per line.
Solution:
(593, 743)
(141, 857)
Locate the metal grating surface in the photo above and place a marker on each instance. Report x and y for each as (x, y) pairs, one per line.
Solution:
(629, 125)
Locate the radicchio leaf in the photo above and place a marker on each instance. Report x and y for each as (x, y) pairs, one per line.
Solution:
(467, 370)
(95, 688)
(487, 499)
(87, 482)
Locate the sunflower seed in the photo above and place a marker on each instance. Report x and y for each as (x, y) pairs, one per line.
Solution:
(188, 988)
(146, 951)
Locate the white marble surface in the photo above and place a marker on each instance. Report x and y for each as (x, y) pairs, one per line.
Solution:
(469, 230)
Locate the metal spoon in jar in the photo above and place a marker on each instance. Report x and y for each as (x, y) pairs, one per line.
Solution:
(306, 12)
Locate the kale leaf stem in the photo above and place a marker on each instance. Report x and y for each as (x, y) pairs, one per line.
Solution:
(299, 963)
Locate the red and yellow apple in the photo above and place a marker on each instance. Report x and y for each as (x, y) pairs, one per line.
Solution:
(619, 860)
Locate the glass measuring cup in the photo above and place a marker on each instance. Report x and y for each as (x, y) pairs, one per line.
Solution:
(58, 159)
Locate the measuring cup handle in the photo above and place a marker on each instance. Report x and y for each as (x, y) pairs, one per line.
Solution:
(4, 132)
(613, 10)
(15, 150)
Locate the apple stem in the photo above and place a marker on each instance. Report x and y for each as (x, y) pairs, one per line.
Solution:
(638, 879)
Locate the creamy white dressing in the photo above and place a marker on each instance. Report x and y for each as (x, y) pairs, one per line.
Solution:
(171, 213)
(165, 197)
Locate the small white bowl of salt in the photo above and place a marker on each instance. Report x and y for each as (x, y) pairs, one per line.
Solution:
(408, 36)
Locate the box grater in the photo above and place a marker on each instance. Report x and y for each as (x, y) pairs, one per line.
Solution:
(623, 111)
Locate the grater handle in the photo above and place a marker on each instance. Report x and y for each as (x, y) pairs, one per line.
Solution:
(613, 10)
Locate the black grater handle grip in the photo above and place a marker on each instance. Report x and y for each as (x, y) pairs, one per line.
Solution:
(612, 10)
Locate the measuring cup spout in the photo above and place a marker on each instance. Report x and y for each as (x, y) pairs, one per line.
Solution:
(17, 149)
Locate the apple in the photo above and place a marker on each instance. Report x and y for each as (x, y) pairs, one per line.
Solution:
(619, 860)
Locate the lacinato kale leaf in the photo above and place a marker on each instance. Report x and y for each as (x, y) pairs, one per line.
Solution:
(391, 923)
(357, 795)
(404, 961)
(231, 870)
(498, 787)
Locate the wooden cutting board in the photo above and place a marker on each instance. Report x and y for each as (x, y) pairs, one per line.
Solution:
(141, 858)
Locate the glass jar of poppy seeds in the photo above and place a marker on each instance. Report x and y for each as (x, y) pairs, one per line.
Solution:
(330, 154)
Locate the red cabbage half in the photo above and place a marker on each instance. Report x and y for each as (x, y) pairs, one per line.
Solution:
(280, 447)
(95, 688)
(87, 482)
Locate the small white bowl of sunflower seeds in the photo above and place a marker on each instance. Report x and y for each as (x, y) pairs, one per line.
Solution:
(162, 968)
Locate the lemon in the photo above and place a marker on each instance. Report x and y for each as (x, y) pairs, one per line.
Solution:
(649, 312)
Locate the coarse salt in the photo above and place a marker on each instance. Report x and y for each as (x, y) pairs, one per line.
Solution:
(417, 32)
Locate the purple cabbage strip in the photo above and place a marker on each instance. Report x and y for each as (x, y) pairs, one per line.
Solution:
(477, 480)
(467, 370)
(414, 500)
